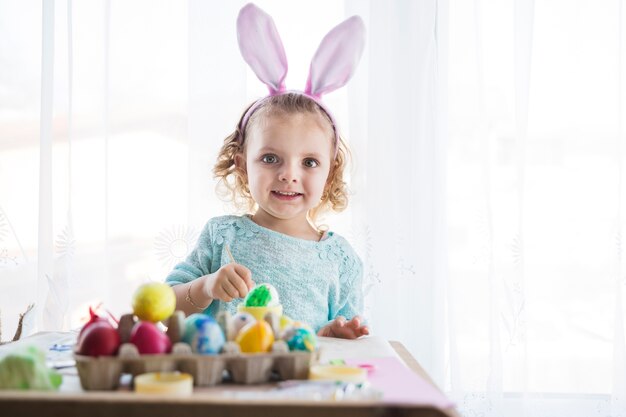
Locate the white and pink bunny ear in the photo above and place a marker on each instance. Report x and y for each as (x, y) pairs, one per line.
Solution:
(261, 47)
(336, 58)
(332, 65)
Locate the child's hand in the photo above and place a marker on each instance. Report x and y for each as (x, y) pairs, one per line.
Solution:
(344, 329)
(229, 282)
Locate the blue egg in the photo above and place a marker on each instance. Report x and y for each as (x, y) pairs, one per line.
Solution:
(300, 338)
(203, 334)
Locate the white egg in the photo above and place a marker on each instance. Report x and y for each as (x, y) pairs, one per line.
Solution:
(237, 322)
(263, 295)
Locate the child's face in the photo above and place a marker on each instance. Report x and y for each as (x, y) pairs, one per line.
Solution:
(288, 159)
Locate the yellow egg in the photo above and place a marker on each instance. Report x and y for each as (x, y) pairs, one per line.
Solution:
(154, 301)
(256, 337)
(285, 321)
(301, 324)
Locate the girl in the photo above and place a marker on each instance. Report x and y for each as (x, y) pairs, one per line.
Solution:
(285, 161)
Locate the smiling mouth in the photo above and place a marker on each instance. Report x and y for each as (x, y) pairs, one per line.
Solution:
(284, 195)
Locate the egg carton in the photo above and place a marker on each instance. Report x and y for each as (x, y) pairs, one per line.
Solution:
(105, 372)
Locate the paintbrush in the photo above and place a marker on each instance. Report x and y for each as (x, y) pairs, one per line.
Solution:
(230, 255)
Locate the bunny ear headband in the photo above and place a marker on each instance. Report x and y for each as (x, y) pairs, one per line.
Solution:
(331, 68)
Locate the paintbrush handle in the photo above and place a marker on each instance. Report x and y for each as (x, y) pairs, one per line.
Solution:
(230, 255)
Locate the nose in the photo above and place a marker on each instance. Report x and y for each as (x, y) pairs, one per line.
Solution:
(289, 174)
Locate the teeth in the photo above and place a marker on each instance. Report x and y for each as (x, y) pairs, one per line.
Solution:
(289, 194)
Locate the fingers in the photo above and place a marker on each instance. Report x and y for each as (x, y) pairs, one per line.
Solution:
(241, 289)
(358, 328)
(355, 323)
(338, 326)
(339, 329)
(233, 281)
(349, 329)
(245, 274)
(325, 331)
(225, 290)
(334, 328)
(241, 280)
(339, 322)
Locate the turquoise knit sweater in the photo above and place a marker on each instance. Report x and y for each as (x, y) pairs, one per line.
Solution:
(316, 281)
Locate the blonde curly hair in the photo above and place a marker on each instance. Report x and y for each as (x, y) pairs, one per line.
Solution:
(233, 181)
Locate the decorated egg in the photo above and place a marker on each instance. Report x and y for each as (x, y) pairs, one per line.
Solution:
(262, 295)
(284, 322)
(301, 324)
(256, 337)
(237, 322)
(300, 338)
(203, 334)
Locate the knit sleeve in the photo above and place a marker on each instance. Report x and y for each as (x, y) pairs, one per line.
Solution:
(198, 262)
(350, 300)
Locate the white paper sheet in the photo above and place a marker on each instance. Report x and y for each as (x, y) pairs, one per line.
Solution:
(364, 347)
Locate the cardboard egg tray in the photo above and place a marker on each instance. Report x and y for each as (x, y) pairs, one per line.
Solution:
(104, 372)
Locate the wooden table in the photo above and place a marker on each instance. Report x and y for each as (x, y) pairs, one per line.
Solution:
(203, 403)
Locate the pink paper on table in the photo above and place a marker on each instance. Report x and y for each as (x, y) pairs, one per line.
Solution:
(400, 384)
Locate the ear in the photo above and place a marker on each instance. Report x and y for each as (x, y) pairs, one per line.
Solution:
(261, 47)
(240, 162)
(336, 58)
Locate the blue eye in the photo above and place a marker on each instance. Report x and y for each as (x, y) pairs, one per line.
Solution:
(269, 159)
(311, 163)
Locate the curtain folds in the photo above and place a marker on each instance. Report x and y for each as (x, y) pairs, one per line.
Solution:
(534, 185)
(398, 210)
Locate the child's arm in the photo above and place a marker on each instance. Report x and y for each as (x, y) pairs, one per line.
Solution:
(187, 278)
(349, 303)
(227, 283)
(196, 287)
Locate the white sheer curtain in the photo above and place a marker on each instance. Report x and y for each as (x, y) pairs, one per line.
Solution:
(398, 210)
(93, 154)
(488, 174)
(535, 215)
